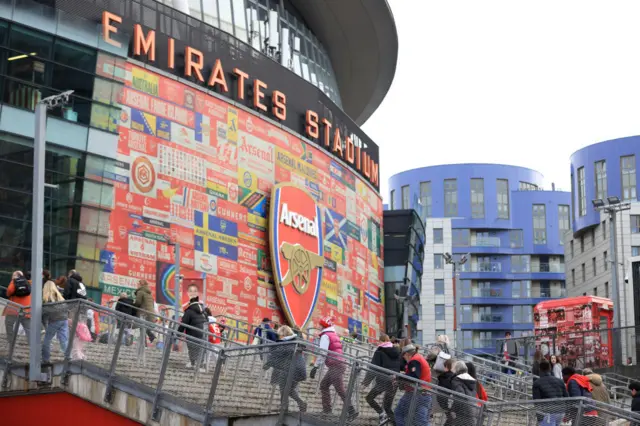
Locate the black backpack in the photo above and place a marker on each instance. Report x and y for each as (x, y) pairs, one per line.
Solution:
(22, 287)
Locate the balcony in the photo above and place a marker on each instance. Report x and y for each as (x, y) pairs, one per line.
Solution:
(548, 267)
(548, 293)
(490, 318)
(486, 292)
(486, 242)
(483, 343)
(486, 267)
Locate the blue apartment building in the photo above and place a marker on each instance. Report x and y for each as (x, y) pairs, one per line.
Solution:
(509, 231)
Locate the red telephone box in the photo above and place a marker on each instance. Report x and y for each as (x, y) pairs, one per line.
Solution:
(578, 329)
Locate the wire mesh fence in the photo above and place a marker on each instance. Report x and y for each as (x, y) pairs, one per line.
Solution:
(292, 377)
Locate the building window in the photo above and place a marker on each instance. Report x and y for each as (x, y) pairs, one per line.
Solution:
(628, 170)
(595, 291)
(539, 224)
(520, 263)
(439, 287)
(502, 194)
(437, 236)
(584, 273)
(522, 314)
(606, 261)
(461, 237)
(606, 289)
(405, 197)
(582, 195)
(520, 289)
(635, 223)
(526, 186)
(450, 197)
(425, 199)
(467, 313)
(635, 250)
(573, 277)
(440, 313)
(438, 261)
(601, 180)
(563, 221)
(515, 238)
(593, 266)
(573, 197)
(391, 202)
(593, 238)
(582, 243)
(604, 230)
(571, 244)
(477, 198)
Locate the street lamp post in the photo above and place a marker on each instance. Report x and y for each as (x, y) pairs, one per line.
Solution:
(37, 228)
(612, 206)
(456, 322)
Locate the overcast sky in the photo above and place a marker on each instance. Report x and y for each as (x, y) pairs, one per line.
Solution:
(513, 82)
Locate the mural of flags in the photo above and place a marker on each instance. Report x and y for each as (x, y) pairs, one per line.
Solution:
(334, 228)
(215, 236)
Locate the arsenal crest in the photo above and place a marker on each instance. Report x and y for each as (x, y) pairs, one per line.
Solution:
(296, 251)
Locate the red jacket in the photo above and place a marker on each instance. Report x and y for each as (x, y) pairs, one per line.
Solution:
(215, 330)
(24, 301)
(425, 371)
(481, 393)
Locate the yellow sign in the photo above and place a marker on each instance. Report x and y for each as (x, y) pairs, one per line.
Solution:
(145, 82)
(232, 125)
(300, 167)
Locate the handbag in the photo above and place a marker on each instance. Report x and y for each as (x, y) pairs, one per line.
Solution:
(439, 365)
(82, 332)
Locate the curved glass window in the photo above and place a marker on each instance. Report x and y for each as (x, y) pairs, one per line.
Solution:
(278, 32)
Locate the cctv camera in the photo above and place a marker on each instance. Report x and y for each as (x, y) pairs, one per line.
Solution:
(626, 279)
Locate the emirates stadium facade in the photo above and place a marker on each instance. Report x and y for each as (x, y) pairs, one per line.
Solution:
(184, 117)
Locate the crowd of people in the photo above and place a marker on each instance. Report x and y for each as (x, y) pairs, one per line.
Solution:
(413, 370)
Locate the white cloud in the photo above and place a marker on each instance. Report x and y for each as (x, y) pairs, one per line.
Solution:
(522, 83)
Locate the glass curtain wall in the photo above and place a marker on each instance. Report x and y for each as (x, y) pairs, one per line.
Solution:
(76, 219)
(277, 30)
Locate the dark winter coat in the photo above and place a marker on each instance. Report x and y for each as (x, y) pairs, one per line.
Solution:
(465, 411)
(549, 386)
(444, 381)
(75, 289)
(125, 305)
(387, 357)
(280, 360)
(635, 403)
(195, 317)
(535, 368)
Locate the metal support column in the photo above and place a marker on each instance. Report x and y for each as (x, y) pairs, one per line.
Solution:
(37, 230)
(178, 279)
(617, 346)
(37, 236)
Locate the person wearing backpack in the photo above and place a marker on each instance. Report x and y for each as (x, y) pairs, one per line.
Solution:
(74, 289)
(18, 291)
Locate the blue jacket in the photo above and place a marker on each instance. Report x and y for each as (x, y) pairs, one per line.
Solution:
(578, 386)
(269, 334)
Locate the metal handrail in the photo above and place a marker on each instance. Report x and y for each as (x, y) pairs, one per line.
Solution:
(240, 352)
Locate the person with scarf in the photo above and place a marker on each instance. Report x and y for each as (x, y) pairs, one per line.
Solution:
(580, 386)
